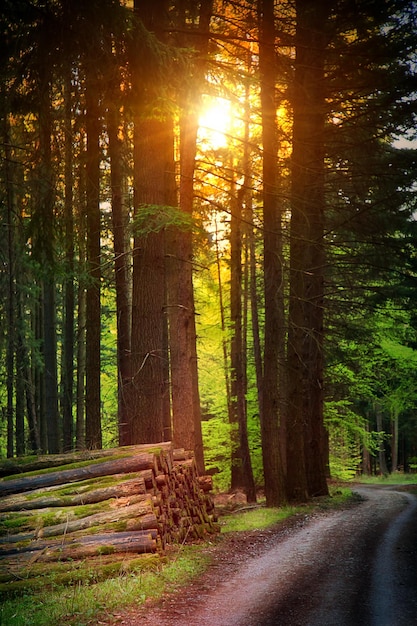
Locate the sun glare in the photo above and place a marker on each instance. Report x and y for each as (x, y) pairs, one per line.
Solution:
(215, 121)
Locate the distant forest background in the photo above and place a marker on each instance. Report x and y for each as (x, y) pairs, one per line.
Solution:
(208, 234)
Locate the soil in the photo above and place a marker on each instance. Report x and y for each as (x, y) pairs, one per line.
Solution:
(350, 567)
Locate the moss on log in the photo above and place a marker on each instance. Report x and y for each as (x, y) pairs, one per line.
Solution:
(130, 500)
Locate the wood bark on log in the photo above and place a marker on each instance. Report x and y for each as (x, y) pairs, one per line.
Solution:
(134, 499)
(93, 470)
(20, 465)
(130, 487)
(81, 547)
(73, 525)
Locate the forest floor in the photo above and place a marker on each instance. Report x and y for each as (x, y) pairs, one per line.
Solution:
(345, 567)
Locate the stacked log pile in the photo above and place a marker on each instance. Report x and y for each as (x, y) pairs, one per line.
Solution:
(103, 509)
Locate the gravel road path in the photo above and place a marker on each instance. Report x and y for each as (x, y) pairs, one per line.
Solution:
(355, 567)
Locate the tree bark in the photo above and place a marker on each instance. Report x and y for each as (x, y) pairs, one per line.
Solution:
(11, 290)
(242, 476)
(46, 245)
(186, 409)
(383, 468)
(121, 258)
(153, 175)
(124, 489)
(81, 308)
(272, 386)
(129, 464)
(93, 436)
(148, 387)
(69, 292)
(84, 547)
(306, 468)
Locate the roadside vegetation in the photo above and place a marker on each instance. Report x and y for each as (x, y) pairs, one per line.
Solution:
(83, 603)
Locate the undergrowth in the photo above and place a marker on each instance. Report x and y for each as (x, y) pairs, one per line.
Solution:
(84, 602)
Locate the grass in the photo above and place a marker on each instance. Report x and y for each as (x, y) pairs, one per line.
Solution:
(255, 519)
(83, 603)
(396, 478)
(407, 481)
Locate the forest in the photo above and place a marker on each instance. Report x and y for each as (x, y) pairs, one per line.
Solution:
(208, 234)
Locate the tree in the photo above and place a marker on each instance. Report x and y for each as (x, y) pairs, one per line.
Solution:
(121, 248)
(46, 242)
(153, 173)
(69, 292)
(93, 436)
(11, 286)
(273, 384)
(186, 411)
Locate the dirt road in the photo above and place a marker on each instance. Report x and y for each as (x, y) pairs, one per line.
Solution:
(355, 567)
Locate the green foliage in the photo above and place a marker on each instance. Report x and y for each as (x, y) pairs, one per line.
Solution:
(108, 378)
(153, 218)
(348, 435)
(255, 519)
(217, 451)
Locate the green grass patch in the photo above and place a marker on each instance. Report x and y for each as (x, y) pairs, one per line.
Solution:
(83, 603)
(259, 517)
(406, 482)
(255, 518)
(396, 478)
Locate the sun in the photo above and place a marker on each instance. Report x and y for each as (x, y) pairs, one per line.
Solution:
(215, 121)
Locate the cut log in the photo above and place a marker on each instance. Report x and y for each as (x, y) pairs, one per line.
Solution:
(130, 500)
(92, 470)
(21, 465)
(44, 549)
(122, 489)
(74, 525)
(205, 483)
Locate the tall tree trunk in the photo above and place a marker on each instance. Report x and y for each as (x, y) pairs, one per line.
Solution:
(226, 366)
(313, 149)
(32, 417)
(148, 386)
(181, 311)
(11, 291)
(366, 456)
(81, 301)
(381, 447)
(242, 475)
(81, 367)
(237, 408)
(37, 375)
(186, 409)
(394, 438)
(305, 341)
(272, 388)
(50, 357)
(254, 303)
(69, 296)
(121, 258)
(46, 251)
(20, 391)
(153, 189)
(238, 403)
(93, 436)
